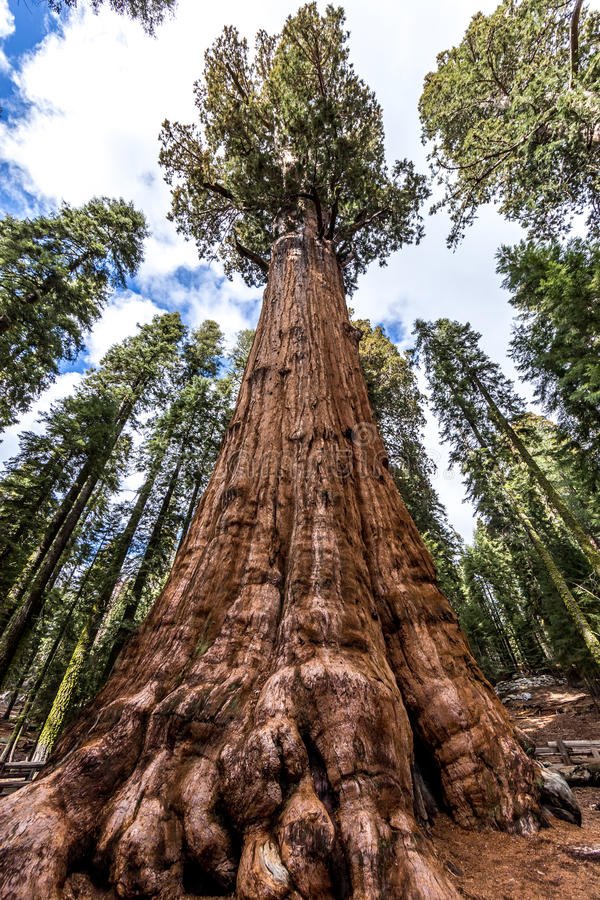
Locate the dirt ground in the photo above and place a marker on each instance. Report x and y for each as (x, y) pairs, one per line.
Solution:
(492, 866)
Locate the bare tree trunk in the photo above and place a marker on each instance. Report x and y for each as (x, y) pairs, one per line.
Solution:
(258, 732)
(33, 600)
(135, 594)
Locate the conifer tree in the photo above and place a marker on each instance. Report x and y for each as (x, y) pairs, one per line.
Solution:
(257, 734)
(129, 377)
(554, 291)
(511, 607)
(56, 272)
(190, 432)
(471, 396)
(514, 115)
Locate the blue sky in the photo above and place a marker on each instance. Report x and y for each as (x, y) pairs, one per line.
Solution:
(82, 102)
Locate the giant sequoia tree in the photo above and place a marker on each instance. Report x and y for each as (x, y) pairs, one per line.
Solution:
(271, 726)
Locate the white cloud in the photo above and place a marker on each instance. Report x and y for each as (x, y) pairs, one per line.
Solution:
(7, 20)
(97, 93)
(7, 27)
(201, 293)
(64, 385)
(119, 320)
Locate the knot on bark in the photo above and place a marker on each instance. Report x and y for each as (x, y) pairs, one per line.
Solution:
(355, 334)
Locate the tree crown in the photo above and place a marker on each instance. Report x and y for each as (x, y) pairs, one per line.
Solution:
(456, 368)
(514, 115)
(288, 132)
(554, 290)
(55, 275)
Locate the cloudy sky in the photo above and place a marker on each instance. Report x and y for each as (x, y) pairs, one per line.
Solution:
(82, 103)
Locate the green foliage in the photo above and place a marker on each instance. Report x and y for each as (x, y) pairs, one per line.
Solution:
(238, 356)
(497, 617)
(82, 433)
(149, 12)
(120, 551)
(397, 406)
(451, 356)
(556, 339)
(514, 116)
(55, 276)
(288, 134)
(526, 484)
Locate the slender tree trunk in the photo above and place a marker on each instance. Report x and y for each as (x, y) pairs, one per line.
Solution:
(50, 552)
(190, 510)
(68, 687)
(259, 731)
(17, 690)
(584, 540)
(48, 660)
(34, 599)
(134, 596)
(501, 630)
(89, 474)
(554, 573)
(590, 638)
(19, 587)
(8, 601)
(37, 684)
(200, 480)
(123, 542)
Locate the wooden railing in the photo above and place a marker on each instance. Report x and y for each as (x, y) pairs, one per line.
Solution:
(569, 753)
(14, 775)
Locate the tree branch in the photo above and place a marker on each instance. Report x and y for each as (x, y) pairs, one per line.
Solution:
(361, 221)
(332, 220)
(574, 30)
(319, 211)
(255, 258)
(218, 189)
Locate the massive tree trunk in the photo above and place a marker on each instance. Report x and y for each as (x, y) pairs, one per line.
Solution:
(268, 727)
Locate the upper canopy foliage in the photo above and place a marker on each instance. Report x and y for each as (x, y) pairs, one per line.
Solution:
(556, 339)
(514, 113)
(289, 131)
(56, 273)
(149, 12)
(455, 366)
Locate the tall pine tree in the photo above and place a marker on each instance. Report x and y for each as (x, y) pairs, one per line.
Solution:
(108, 400)
(55, 275)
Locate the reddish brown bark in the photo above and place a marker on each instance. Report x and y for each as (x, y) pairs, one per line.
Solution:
(257, 733)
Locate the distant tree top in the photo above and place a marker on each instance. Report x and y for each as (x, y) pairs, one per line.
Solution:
(286, 133)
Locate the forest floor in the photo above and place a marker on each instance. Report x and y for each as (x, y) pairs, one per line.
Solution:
(487, 865)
